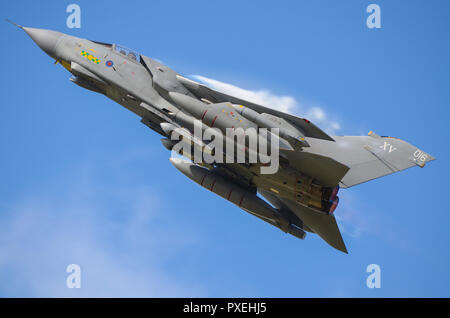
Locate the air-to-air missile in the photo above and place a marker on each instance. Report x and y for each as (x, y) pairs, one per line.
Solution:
(300, 194)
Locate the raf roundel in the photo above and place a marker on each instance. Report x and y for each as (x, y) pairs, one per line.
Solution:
(109, 63)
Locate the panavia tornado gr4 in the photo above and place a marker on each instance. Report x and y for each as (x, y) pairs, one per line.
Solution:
(304, 172)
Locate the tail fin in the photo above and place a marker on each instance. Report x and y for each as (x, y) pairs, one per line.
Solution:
(370, 157)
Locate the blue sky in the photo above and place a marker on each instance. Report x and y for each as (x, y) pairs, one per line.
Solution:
(82, 181)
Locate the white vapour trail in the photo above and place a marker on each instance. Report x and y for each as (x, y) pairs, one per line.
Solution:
(282, 103)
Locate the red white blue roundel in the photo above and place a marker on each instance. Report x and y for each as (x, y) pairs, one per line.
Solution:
(109, 63)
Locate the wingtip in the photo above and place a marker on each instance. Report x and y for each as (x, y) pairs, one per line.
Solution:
(340, 246)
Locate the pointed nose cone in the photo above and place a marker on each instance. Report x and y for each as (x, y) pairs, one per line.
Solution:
(45, 39)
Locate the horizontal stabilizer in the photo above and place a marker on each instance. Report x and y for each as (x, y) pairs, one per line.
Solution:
(327, 171)
(370, 157)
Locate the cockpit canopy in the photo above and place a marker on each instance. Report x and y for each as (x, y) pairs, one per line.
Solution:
(131, 54)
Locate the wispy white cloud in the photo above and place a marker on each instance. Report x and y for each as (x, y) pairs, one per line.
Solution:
(121, 236)
(283, 103)
(262, 97)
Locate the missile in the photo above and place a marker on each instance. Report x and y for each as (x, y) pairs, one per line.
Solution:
(287, 131)
(191, 105)
(222, 116)
(236, 194)
(186, 120)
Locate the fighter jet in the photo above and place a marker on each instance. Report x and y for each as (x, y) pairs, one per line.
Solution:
(300, 196)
